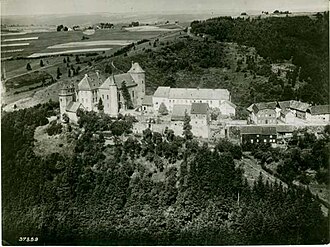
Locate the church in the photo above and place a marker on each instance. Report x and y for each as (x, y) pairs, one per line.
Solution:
(109, 91)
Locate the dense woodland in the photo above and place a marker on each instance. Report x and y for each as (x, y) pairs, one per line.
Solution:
(301, 39)
(152, 189)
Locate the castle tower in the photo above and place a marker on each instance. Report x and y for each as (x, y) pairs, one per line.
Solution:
(85, 94)
(66, 96)
(138, 76)
(109, 94)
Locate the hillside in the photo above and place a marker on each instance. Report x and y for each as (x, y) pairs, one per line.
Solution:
(149, 190)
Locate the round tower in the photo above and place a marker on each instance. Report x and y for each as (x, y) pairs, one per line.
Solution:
(66, 96)
(138, 75)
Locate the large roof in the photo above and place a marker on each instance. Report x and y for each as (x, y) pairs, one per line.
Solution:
(109, 82)
(85, 83)
(136, 68)
(91, 82)
(73, 106)
(293, 104)
(199, 108)
(199, 93)
(162, 92)
(258, 130)
(127, 78)
(179, 112)
(300, 106)
(320, 109)
(192, 93)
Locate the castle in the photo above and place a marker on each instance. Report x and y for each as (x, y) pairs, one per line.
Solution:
(109, 91)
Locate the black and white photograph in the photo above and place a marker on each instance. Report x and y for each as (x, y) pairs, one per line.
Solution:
(165, 122)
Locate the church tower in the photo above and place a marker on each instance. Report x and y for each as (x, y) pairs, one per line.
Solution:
(66, 96)
(109, 94)
(138, 75)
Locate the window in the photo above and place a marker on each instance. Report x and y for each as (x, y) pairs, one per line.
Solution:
(265, 140)
(102, 96)
(156, 103)
(61, 100)
(251, 140)
(132, 94)
(170, 101)
(211, 102)
(271, 136)
(200, 101)
(107, 96)
(257, 135)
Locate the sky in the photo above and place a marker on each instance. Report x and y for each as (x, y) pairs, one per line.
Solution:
(37, 7)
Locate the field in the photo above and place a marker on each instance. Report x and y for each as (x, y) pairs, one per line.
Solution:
(48, 39)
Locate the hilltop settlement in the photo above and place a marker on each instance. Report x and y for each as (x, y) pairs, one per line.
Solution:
(211, 110)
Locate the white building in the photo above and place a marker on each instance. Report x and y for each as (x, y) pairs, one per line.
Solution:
(215, 98)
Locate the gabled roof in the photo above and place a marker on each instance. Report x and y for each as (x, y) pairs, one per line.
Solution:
(199, 108)
(300, 106)
(91, 82)
(179, 112)
(162, 92)
(147, 100)
(293, 104)
(109, 82)
(136, 68)
(127, 78)
(229, 103)
(85, 83)
(258, 130)
(320, 109)
(256, 107)
(73, 106)
(266, 105)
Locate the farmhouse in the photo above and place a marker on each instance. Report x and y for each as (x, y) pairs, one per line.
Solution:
(258, 134)
(282, 112)
(263, 113)
(318, 114)
(109, 92)
(215, 98)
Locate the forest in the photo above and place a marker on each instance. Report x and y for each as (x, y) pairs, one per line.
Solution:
(303, 40)
(154, 189)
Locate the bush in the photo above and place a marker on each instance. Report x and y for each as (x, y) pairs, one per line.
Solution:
(54, 128)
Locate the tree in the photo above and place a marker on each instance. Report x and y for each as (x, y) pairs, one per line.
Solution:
(59, 28)
(162, 109)
(58, 72)
(127, 96)
(77, 59)
(42, 63)
(188, 135)
(28, 67)
(108, 69)
(100, 105)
